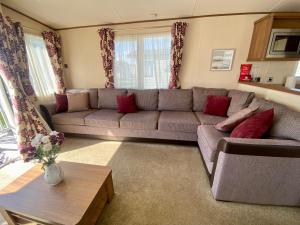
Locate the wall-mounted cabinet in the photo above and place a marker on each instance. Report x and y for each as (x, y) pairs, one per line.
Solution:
(276, 37)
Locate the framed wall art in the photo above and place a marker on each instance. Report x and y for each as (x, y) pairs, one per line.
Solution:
(222, 59)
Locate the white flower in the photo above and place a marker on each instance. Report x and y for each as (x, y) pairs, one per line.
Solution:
(36, 141)
(54, 133)
(47, 147)
(45, 139)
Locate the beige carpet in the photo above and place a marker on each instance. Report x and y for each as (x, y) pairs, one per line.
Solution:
(160, 184)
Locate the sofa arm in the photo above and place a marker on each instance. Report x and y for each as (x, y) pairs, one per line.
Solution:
(47, 111)
(260, 147)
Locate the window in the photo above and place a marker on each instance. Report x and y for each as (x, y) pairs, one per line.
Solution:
(142, 61)
(40, 69)
(297, 74)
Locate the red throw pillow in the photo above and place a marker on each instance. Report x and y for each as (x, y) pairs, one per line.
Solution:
(126, 104)
(61, 103)
(255, 126)
(217, 105)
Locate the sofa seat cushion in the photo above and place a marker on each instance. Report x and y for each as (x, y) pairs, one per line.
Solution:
(206, 119)
(104, 118)
(143, 120)
(73, 118)
(208, 138)
(178, 121)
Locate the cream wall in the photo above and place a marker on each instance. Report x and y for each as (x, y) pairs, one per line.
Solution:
(82, 54)
(29, 25)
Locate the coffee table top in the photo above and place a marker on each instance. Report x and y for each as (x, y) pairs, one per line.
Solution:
(65, 203)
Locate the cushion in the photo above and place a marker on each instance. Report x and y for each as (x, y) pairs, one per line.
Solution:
(104, 118)
(93, 95)
(217, 105)
(285, 123)
(126, 104)
(175, 100)
(200, 96)
(145, 99)
(74, 118)
(235, 119)
(61, 103)
(144, 120)
(255, 126)
(178, 121)
(107, 97)
(206, 119)
(287, 126)
(208, 138)
(78, 102)
(239, 100)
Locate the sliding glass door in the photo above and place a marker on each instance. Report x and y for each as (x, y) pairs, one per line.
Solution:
(6, 111)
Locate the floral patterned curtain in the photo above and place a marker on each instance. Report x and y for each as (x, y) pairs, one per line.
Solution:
(107, 48)
(178, 33)
(13, 69)
(53, 45)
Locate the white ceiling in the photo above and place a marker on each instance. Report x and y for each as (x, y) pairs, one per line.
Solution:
(70, 13)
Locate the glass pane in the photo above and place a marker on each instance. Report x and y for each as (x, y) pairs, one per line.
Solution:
(142, 61)
(40, 69)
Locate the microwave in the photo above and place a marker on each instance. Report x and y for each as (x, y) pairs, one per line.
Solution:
(284, 43)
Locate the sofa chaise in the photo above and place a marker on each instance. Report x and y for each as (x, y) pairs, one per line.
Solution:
(261, 171)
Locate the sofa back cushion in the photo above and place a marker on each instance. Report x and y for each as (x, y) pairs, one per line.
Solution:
(93, 95)
(175, 100)
(107, 97)
(239, 100)
(200, 96)
(145, 99)
(286, 122)
(78, 102)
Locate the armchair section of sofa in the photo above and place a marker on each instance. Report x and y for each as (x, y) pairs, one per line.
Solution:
(260, 171)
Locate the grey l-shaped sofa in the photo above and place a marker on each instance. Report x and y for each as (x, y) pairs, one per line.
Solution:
(261, 171)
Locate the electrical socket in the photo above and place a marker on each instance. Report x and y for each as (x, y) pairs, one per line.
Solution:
(270, 79)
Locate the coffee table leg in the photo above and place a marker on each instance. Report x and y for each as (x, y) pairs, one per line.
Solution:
(109, 188)
(7, 217)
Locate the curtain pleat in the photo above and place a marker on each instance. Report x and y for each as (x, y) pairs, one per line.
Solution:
(14, 69)
(178, 33)
(54, 48)
(107, 47)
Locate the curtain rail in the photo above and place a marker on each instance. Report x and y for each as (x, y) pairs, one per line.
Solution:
(141, 28)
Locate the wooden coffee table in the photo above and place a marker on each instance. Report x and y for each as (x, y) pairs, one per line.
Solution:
(79, 199)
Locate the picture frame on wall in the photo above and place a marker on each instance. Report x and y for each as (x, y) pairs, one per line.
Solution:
(222, 59)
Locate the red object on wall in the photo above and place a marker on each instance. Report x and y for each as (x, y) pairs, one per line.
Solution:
(245, 72)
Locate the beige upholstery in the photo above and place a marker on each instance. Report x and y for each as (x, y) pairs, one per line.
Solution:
(93, 95)
(208, 138)
(145, 99)
(239, 100)
(74, 118)
(104, 118)
(144, 120)
(207, 119)
(107, 97)
(178, 121)
(200, 95)
(286, 122)
(175, 100)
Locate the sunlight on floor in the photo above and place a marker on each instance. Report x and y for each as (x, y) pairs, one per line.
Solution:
(97, 148)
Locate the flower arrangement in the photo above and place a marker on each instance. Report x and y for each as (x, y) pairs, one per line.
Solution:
(44, 148)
